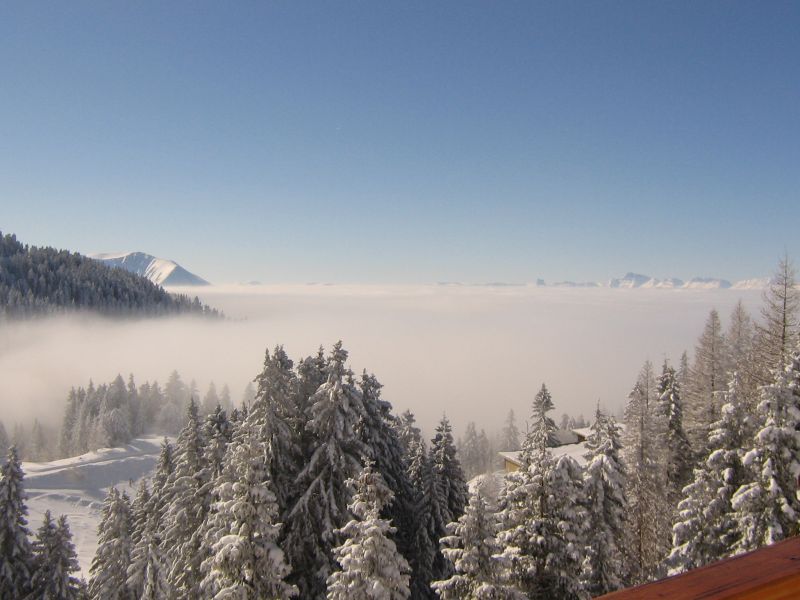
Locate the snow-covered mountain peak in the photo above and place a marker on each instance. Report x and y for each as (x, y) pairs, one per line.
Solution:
(160, 271)
(631, 280)
(707, 283)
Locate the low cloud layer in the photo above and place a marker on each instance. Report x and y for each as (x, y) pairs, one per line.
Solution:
(472, 352)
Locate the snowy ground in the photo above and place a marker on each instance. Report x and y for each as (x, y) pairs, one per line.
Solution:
(77, 486)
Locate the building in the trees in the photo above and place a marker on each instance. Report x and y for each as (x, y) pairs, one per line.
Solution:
(569, 442)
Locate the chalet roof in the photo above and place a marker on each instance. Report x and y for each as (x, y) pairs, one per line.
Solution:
(576, 451)
(770, 573)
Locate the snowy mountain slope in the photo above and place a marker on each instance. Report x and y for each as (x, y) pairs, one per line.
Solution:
(707, 283)
(631, 280)
(752, 284)
(158, 270)
(669, 283)
(77, 486)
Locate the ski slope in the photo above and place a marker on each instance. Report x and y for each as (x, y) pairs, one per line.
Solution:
(77, 486)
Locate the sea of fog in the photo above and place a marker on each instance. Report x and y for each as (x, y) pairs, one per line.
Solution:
(473, 352)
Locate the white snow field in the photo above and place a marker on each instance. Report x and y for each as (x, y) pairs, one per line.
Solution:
(77, 486)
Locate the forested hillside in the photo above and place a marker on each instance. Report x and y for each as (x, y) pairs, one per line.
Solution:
(36, 281)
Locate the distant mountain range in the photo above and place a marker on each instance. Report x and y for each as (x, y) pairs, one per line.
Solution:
(160, 271)
(637, 280)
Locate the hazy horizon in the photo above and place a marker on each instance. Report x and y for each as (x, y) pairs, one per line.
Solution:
(472, 352)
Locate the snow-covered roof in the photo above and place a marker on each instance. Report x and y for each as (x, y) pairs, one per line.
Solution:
(575, 451)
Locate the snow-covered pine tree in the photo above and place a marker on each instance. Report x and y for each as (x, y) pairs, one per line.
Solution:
(706, 377)
(244, 560)
(604, 568)
(568, 509)
(511, 434)
(276, 421)
(472, 548)
(370, 564)
(148, 517)
(768, 509)
(321, 505)
(55, 561)
(187, 508)
(160, 494)
(386, 451)
(678, 457)
(777, 334)
(218, 432)
(68, 426)
(540, 515)
(155, 584)
(649, 515)
(429, 525)
(114, 420)
(108, 573)
(682, 373)
(705, 529)
(447, 471)
(16, 558)
(41, 548)
(409, 434)
(311, 374)
(141, 528)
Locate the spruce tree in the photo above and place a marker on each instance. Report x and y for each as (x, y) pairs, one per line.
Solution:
(429, 525)
(276, 420)
(142, 529)
(386, 451)
(16, 558)
(604, 568)
(447, 471)
(160, 494)
(767, 508)
(108, 573)
(321, 505)
(156, 584)
(55, 562)
(678, 457)
(409, 434)
(370, 564)
(706, 530)
(541, 515)
(244, 560)
(472, 548)
(187, 507)
(218, 432)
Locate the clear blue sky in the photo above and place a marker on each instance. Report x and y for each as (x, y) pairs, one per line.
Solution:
(406, 142)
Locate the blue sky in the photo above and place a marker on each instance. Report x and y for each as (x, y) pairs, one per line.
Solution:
(406, 142)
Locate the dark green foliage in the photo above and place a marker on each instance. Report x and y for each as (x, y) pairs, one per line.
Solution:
(36, 281)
